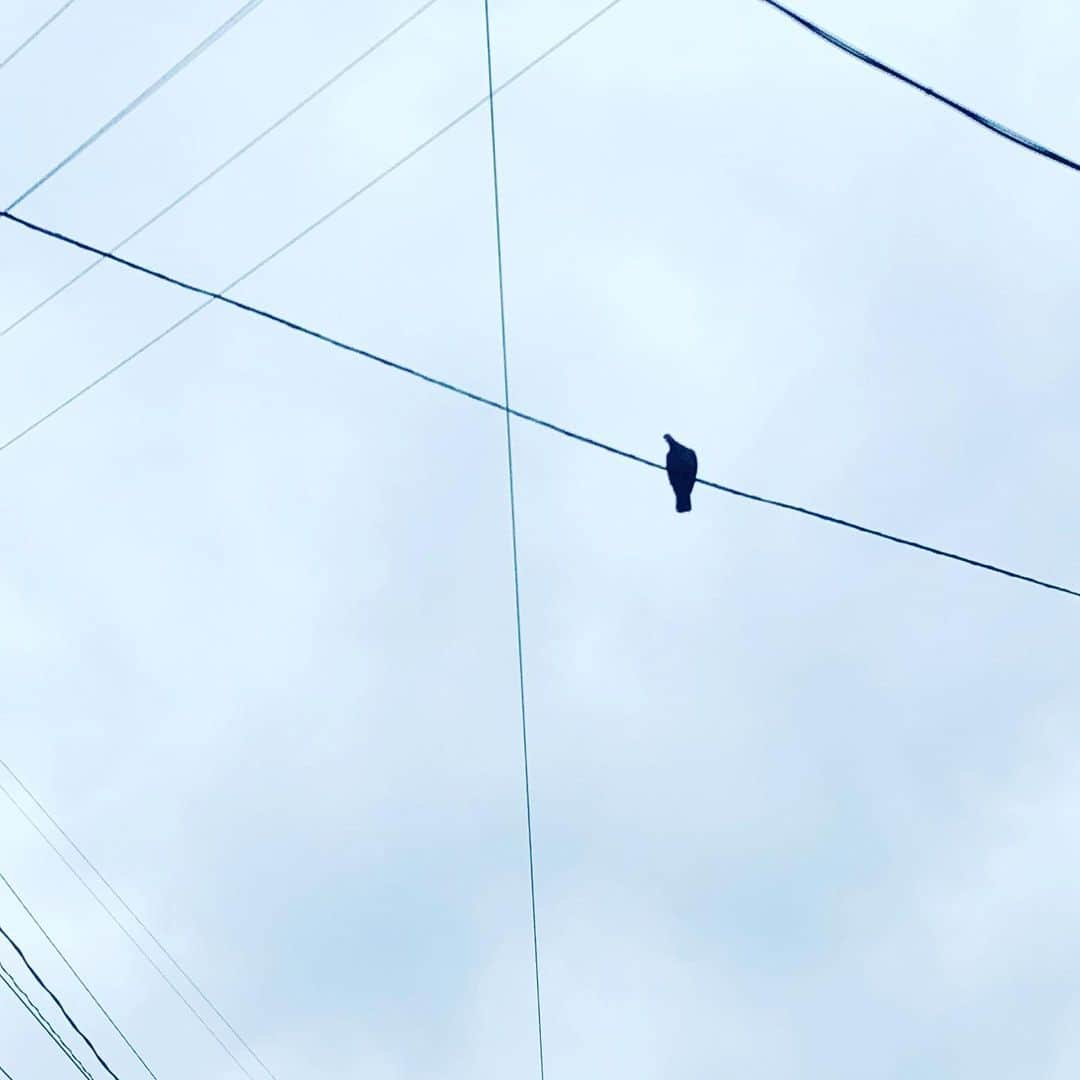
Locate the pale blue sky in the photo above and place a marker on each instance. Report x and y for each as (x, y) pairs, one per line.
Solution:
(804, 802)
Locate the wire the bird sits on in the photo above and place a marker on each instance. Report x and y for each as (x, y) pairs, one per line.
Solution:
(33, 37)
(971, 114)
(211, 39)
(472, 396)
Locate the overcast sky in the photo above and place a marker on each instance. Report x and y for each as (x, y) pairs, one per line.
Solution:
(805, 803)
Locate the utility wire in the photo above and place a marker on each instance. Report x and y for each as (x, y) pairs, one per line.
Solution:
(40, 30)
(513, 527)
(316, 224)
(67, 963)
(479, 398)
(4, 1073)
(57, 1002)
(217, 170)
(27, 1003)
(971, 114)
(211, 39)
(113, 916)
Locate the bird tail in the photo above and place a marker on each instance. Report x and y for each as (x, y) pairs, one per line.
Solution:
(682, 504)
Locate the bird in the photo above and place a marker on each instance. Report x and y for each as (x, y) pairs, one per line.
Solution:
(682, 472)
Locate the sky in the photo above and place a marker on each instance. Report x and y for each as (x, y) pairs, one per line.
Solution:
(804, 802)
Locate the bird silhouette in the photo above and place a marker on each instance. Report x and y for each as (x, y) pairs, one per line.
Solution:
(682, 472)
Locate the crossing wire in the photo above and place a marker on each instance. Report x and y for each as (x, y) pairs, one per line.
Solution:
(211, 39)
(78, 978)
(120, 926)
(460, 118)
(57, 1002)
(971, 114)
(33, 37)
(230, 160)
(337, 343)
(27, 1003)
(513, 526)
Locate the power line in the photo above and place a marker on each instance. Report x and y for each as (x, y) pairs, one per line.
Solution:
(40, 30)
(27, 1003)
(67, 963)
(112, 915)
(57, 1002)
(211, 39)
(4, 1073)
(231, 159)
(513, 528)
(316, 224)
(472, 396)
(971, 114)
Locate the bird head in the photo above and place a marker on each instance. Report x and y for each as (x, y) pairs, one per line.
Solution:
(669, 440)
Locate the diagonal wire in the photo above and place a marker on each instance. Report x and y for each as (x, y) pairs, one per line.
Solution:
(513, 528)
(211, 39)
(374, 181)
(337, 343)
(40, 30)
(4, 1073)
(971, 114)
(24, 999)
(123, 929)
(67, 963)
(218, 169)
(57, 1002)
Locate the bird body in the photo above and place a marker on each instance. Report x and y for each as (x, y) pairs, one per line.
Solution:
(682, 472)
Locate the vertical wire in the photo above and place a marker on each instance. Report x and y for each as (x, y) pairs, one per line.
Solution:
(513, 532)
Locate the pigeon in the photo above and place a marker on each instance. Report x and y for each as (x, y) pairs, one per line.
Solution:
(682, 472)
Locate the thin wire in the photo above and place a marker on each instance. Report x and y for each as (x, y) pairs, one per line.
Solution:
(462, 391)
(513, 528)
(148, 93)
(4, 1073)
(971, 114)
(67, 963)
(24, 999)
(27, 1003)
(112, 915)
(40, 30)
(231, 159)
(57, 1002)
(42, 1021)
(146, 929)
(349, 200)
